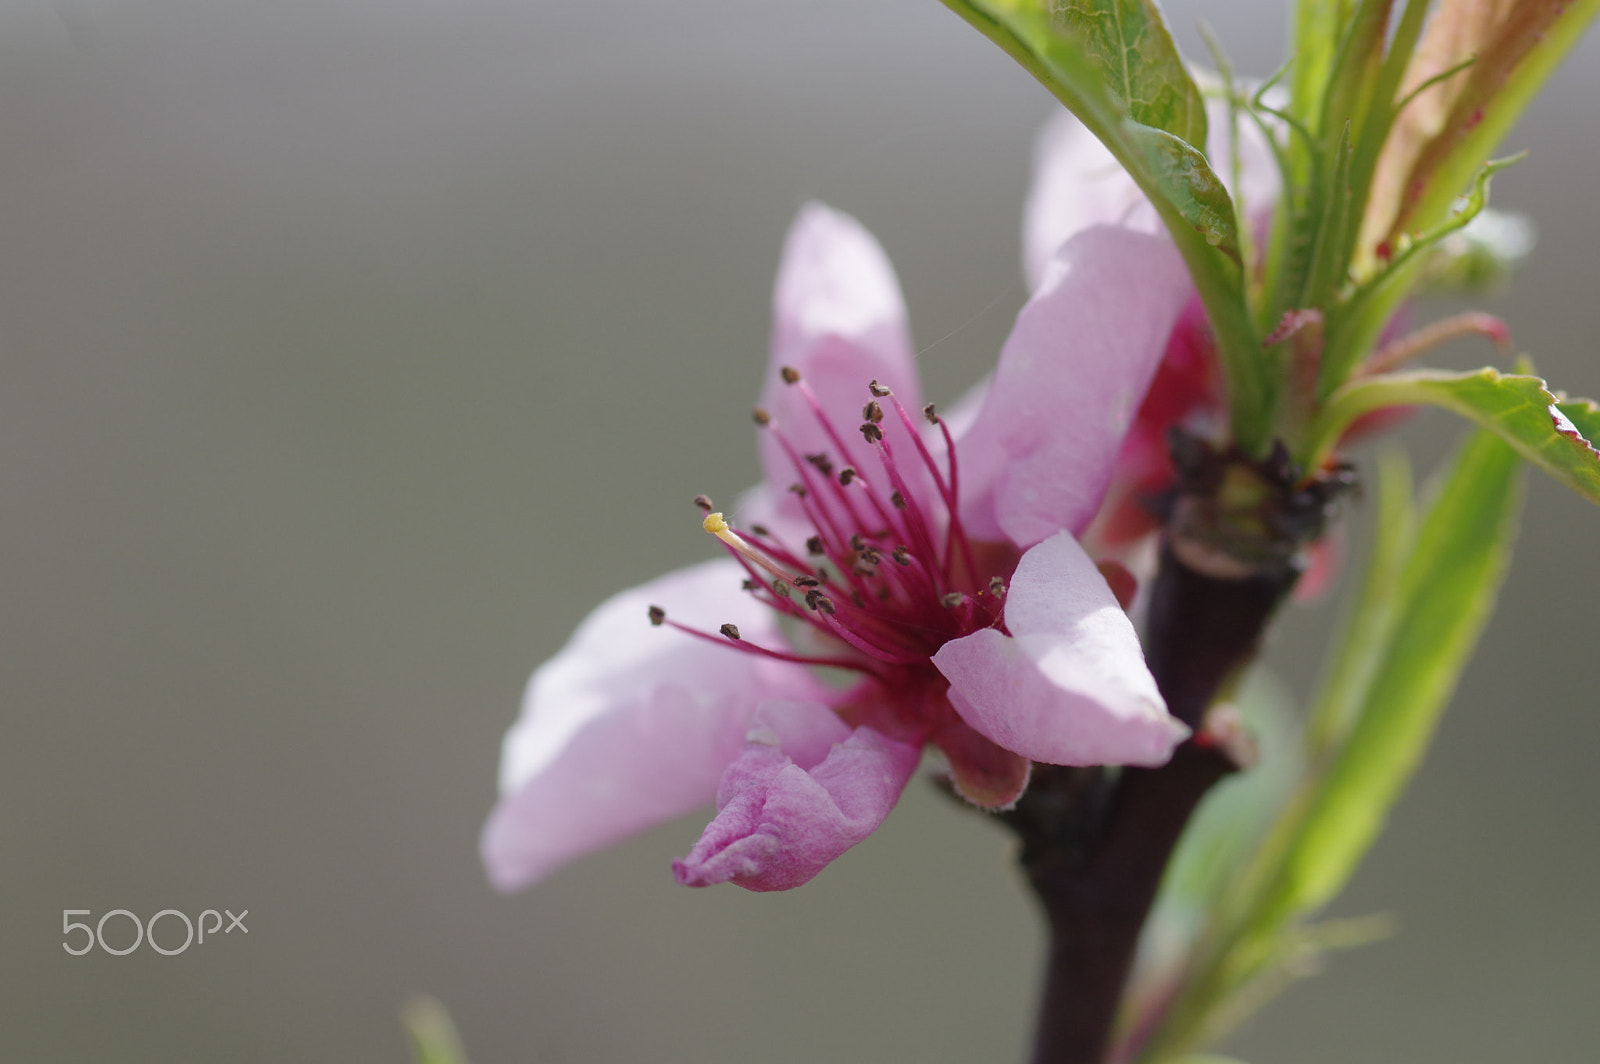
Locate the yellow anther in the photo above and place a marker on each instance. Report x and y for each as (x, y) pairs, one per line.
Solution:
(714, 524)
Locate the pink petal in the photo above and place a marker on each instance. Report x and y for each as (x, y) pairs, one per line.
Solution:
(1077, 184)
(1071, 375)
(839, 319)
(631, 725)
(806, 788)
(1069, 686)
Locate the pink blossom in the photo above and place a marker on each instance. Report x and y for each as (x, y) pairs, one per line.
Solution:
(1077, 185)
(941, 575)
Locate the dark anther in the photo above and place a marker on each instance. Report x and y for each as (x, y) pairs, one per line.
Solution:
(872, 432)
(846, 475)
(952, 600)
(857, 544)
(790, 375)
(872, 412)
(855, 596)
(997, 586)
(749, 585)
(902, 555)
(798, 489)
(818, 601)
(759, 530)
(704, 502)
(931, 414)
(780, 588)
(762, 417)
(807, 581)
(878, 390)
(814, 545)
(731, 631)
(657, 615)
(898, 500)
(821, 462)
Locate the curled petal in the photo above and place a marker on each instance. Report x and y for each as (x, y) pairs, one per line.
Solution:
(839, 319)
(630, 725)
(806, 788)
(1040, 453)
(982, 772)
(1069, 686)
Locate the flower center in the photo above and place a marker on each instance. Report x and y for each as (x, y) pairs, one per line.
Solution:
(887, 569)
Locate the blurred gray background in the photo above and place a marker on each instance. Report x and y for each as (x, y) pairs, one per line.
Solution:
(353, 350)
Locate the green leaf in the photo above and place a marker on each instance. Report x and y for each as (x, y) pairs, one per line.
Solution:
(1138, 61)
(1189, 184)
(1444, 595)
(1225, 831)
(1236, 813)
(1584, 416)
(1356, 325)
(1355, 67)
(1369, 618)
(433, 1035)
(1113, 64)
(1518, 408)
(1514, 57)
(1399, 657)
(1318, 25)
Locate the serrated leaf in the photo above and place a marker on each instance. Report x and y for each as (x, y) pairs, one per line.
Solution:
(1519, 408)
(1583, 417)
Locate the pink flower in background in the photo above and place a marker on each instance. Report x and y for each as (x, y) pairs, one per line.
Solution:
(1078, 184)
(933, 563)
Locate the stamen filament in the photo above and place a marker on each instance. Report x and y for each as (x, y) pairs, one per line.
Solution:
(714, 524)
(806, 471)
(754, 648)
(838, 441)
(870, 649)
(954, 531)
(919, 534)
